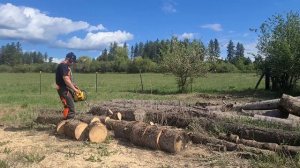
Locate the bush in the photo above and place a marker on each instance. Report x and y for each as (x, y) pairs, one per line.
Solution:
(223, 67)
(5, 68)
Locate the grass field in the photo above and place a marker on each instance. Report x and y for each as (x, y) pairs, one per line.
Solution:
(20, 92)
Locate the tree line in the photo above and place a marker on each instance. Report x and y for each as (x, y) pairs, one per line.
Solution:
(141, 57)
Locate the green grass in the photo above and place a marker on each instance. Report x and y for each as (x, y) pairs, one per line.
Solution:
(20, 92)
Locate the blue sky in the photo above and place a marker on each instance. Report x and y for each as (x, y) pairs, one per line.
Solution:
(86, 27)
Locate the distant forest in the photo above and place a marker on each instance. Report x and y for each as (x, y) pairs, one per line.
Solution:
(141, 57)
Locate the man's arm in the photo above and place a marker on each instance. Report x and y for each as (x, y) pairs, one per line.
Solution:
(70, 84)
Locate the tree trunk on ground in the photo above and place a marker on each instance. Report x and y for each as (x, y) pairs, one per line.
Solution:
(88, 118)
(201, 139)
(289, 150)
(172, 141)
(263, 134)
(133, 114)
(262, 105)
(137, 133)
(151, 136)
(100, 110)
(154, 137)
(51, 118)
(283, 122)
(97, 132)
(271, 113)
(290, 104)
(75, 129)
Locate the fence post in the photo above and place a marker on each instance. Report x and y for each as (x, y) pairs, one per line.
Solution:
(96, 82)
(40, 82)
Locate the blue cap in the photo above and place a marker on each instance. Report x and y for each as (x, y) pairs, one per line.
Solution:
(72, 57)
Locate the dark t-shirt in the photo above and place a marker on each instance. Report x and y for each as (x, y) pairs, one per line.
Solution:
(62, 70)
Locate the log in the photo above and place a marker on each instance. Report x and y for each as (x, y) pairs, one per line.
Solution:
(116, 116)
(75, 129)
(271, 113)
(137, 133)
(229, 137)
(201, 139)
(88, 118)
(122, 129)
(284, 122)
(49, 118)
(97, 132)
(262, 105)
(151, 136)
(285, 149)
(60, 127)
(172, 141)
(263, 134)
(290, 104)
(103, 119)
(100, 110)
(132, 114)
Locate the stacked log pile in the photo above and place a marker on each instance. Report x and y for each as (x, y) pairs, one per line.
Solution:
(130, 122)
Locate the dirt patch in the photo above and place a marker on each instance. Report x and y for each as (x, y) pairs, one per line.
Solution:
(32, 148)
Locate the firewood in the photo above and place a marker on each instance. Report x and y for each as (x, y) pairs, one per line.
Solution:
(75, 129)
(132, 114)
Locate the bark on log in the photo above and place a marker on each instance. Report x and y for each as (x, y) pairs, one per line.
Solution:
(151, 136)
(285, 149)
(122, 129)
(172, 141)
(229, 137)
(75, 129)
(271, 113)
(284, 122)
(201, 139)
(262, 105)
(132, 114)
(97, 132)
(263, 134)
(100, 110)
(51, 118)
(116, 116)
(137, 133)
(103, 119)
(290, 104)
(88, 118)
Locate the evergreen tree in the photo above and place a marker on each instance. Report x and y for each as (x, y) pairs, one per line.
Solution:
(230, 51)
(239, 50)
(217, 49)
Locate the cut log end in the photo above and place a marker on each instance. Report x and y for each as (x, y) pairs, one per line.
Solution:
(60, 127)
(97, 132)
(75, 129)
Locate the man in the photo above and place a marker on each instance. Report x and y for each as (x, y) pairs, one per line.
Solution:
(65, 85)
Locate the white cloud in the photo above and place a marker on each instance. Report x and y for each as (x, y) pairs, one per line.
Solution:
(250, 48)
(186, 36)
(169, 7)
(95, 41)
(58, 60)
(215, 27)
(29, 24)
(99, 27)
